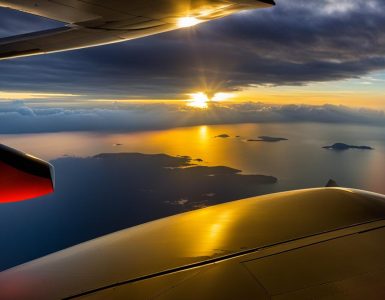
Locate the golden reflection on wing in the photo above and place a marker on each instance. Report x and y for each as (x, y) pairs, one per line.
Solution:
(218, 251)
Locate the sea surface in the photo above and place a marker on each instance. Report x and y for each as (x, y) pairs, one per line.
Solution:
(100, 194)
(300, 162)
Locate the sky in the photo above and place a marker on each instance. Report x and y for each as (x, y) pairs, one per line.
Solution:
(301, 53)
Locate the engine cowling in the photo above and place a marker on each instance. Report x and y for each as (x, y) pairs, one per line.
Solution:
(23, 176)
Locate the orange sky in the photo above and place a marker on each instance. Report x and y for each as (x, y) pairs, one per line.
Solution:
(365, 92)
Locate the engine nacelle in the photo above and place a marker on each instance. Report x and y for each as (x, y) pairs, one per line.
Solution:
(23, 176)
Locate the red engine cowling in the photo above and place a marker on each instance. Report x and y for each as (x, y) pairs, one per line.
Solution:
(23, 176)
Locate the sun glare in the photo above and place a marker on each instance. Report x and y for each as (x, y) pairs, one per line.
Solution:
(188, 22)
(202, 100)
(221, 96)
(199, 100)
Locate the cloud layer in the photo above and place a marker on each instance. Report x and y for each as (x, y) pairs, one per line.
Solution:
(294, 43)
(17, 117)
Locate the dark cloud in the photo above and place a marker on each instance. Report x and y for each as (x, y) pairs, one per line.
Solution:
(17, 117)
(294, 43)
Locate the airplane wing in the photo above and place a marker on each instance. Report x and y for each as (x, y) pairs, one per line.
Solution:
(325, 243)
(97, 22)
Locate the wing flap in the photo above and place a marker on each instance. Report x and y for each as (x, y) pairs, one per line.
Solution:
(76, 11)
(71, 37)
(63, 11)
(60, 39)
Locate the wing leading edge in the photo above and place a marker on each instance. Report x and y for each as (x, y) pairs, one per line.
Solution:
(93, 23)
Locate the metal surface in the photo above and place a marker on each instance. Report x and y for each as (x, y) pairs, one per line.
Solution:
(172, 249)
(95, 22)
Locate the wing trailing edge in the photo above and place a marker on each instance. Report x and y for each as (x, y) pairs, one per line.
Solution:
(65, 38)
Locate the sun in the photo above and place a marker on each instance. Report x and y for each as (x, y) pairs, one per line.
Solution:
(198, 100)
(188, 22)
(202, 100)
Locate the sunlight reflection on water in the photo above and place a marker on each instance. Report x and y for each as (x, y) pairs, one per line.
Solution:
(299, 162)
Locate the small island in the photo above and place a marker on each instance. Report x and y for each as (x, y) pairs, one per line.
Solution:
(269, 139)
(223, 136)
(331, 183)
(342, 146)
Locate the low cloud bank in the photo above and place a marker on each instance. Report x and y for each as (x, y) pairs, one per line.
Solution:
(18, 117)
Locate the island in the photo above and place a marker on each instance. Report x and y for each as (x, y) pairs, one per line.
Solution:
(223, 136)
(331, 183)
(269, 139)
(342, 146)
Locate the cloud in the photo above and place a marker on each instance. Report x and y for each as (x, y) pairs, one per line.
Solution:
(348, 6)
(295, 43)
(34, 96)
(18, 117)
